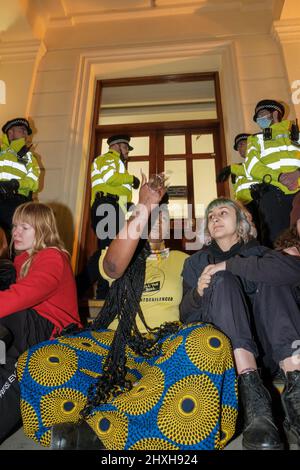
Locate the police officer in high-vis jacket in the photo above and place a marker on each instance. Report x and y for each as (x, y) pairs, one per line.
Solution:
(112, 186)
(111, 193)
(19, 169)
(273, 158)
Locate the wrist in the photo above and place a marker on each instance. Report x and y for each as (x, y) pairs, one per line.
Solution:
(141, 210)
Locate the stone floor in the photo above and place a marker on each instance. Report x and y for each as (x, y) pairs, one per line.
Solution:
(18, 441)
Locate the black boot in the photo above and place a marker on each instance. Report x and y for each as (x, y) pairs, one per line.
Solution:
(74, 436)
(260, 432)
(291, 404)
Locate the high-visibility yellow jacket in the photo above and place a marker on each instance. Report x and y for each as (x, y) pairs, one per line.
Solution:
(273, 157)
(26, 169)
(109, 175)
(242, 184)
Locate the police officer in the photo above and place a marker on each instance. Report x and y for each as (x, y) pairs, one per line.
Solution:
(19, 170)
(273, 158)
(111, 193)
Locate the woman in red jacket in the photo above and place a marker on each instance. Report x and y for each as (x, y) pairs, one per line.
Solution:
(39, 304)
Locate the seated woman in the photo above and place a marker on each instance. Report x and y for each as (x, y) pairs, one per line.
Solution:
(39, 304)
(171, 387)
(221, 282)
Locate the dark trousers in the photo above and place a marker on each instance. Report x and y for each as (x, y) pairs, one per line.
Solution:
(273, 316)
(107, 219)
(27, 329)
(274, 214)
(253, 209)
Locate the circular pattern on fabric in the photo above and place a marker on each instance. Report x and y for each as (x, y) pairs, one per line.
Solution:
(105, 337)
(153, 444)
(84, 344)
(30, 420)
(61, 405)
(21, 365)
(144, 395)
(141, 367)
(52, 365)
(209, 350)
(169, 347)
(228, 422)
(131, 377)
(111, 427)
(45, 440)
(190, 410)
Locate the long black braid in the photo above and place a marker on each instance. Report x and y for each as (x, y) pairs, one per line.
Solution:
(123, 303)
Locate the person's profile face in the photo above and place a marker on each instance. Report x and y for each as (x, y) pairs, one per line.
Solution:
(160, 227)
(124, 150)
(242, 148)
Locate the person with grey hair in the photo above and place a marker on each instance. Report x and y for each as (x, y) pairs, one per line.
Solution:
(236, 284)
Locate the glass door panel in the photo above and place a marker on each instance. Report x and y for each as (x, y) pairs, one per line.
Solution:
(174, 145)
(202, 143)
(135, 168)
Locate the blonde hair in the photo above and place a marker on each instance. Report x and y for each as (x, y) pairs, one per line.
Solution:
(245, 228)
(41, 217)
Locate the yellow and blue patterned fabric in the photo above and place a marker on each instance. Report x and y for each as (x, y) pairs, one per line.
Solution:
(183, 398)
(109, 175)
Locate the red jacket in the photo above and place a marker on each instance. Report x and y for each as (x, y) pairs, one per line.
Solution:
(49, 288)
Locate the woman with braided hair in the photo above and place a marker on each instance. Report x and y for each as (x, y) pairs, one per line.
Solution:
(142, 386)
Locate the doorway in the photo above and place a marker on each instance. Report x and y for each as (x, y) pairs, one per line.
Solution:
(190, 151)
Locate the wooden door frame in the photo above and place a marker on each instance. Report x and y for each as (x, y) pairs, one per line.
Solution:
(87, 238)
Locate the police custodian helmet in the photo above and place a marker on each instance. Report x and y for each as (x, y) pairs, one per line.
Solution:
(16, 122)
(270, 105)
(239, 138)
(119, 139)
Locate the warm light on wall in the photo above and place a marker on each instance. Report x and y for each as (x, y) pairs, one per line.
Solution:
(2, 92)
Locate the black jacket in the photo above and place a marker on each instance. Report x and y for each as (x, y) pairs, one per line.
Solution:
(251, 263)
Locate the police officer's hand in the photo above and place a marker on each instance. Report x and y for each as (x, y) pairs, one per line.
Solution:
(224, 174)
(136, 183)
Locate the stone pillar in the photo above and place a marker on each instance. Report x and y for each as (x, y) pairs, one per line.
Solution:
(287, 32)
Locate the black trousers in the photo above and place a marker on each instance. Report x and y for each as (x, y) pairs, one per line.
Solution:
(272, 314)
(27, 328)
(253, 209)
(274, 214)
(107, 219)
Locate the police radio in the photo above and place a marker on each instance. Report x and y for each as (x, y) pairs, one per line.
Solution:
(267, 133)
